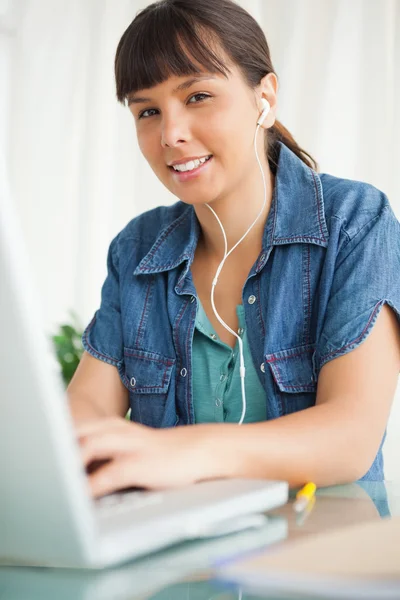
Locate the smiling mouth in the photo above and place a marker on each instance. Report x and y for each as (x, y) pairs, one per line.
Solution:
(183, 177)
(194, 169)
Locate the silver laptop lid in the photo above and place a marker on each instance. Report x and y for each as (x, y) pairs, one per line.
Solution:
(43, 489)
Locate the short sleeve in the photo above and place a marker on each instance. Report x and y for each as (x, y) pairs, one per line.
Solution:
(103, 338)
(366, 275)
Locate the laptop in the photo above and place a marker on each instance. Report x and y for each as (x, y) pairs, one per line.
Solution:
(47, 515)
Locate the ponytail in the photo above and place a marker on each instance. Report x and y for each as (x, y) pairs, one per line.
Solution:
(279, 133)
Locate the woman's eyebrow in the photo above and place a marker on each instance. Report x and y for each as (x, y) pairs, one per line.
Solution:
(133, 99)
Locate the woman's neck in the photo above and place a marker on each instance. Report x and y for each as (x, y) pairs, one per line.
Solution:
(236, 213)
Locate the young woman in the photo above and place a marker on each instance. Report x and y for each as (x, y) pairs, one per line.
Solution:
(308, 301)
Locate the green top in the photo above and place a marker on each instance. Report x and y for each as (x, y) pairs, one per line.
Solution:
(217, 392)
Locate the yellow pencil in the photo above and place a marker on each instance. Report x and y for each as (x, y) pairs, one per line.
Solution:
(304, 496)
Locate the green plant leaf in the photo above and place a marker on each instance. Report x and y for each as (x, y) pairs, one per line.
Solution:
(67, 342)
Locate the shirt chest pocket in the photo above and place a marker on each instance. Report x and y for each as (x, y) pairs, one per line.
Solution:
(148, 376)
(292, 372)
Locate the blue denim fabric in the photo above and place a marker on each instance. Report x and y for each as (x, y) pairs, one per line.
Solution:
(378, 494)
(330, 259)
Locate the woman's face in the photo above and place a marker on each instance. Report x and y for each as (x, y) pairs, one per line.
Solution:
(184, 118)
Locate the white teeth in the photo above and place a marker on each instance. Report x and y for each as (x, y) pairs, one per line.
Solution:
(193, 164)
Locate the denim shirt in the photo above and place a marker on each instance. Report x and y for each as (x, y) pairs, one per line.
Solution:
(330, 259)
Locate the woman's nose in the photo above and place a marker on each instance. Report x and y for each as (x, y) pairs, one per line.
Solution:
(174, 130)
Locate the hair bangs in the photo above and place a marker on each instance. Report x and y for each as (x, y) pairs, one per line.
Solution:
(160, 44)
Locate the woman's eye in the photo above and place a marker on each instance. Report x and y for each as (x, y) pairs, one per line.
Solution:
(196, 95)
(142, 115)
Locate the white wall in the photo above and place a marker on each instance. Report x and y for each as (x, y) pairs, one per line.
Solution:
(76, 171)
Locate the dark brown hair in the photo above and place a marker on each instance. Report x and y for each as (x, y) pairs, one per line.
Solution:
(163, 36)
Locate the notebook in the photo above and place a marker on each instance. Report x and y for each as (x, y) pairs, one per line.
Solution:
(360, 561)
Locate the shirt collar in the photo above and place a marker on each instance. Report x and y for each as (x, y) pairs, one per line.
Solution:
(296, 215)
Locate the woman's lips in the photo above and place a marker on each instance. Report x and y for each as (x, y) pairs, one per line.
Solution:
(187, 175)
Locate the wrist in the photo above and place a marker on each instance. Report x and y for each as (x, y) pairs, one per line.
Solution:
(219, 447)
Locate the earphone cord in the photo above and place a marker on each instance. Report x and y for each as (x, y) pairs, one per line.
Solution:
(215, 280)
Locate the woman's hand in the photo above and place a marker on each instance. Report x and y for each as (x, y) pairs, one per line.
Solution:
(140, 456)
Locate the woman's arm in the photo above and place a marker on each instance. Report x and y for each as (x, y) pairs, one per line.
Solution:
(96, 391)
(336, 440)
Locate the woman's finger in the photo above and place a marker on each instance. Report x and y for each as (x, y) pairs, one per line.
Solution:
(113, 476)
(109, 444)
(135, 471)
(125, 472)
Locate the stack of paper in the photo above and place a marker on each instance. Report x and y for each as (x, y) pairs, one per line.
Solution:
(360, 561)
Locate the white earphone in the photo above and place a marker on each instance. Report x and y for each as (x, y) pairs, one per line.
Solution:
(265, 110)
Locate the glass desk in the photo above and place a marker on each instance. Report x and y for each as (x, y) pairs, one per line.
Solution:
(184, 571)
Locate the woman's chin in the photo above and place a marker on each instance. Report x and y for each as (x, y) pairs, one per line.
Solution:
(198, 199)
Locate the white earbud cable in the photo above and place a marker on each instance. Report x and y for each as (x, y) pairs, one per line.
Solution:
(226, 254)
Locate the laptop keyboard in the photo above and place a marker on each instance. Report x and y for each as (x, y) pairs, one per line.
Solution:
(121, 502)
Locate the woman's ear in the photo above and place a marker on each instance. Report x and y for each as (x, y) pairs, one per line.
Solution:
(268, 89)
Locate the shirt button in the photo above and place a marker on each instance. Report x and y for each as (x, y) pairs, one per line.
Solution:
(183, 372)
(213, 336)
(132, 382)
(192, 299)
(222, 377)
(218, 402)
(251, 299)
(262, 367)
(240, 331)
